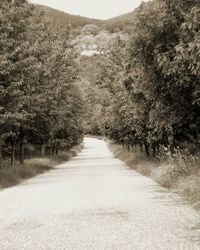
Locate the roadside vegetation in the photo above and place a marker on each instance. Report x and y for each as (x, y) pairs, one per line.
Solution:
(12, 175)
(178, 172)
(40, 105)
(144, 93)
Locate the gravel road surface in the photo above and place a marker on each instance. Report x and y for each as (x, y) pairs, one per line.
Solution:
(95, 202)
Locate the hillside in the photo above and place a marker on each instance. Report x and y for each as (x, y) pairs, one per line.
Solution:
(61, 18)
(120, 23)
(124, 17)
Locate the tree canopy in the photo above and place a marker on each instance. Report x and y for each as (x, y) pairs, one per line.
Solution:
(39, 102)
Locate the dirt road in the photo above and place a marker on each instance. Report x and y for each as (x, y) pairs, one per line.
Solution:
(95, 202)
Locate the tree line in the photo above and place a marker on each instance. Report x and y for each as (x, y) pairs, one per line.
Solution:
(152, 79)
(39, 102)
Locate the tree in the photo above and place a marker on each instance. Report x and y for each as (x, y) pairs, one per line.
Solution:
(16, 64)
(37, 75)
(153, 78)
(90, 29)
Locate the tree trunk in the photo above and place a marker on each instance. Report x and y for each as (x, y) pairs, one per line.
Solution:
(157, 148)
(1, 157)
(53, 150)
(154, 149)
(21, 152)
(135, 148)
(13, 154)
(141, 147)
(147, 148)
(57, 151)
(43, 149)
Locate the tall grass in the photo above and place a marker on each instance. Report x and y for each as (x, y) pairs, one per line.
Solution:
(135, 160)
(12, 175)
(179, 171)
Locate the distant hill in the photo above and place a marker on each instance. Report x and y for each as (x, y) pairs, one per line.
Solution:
(120, 23)
(124, 17)
(61, 19)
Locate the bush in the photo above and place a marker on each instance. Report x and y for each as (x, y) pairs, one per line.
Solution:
(181, 172)
(175, 166)
(40, 163)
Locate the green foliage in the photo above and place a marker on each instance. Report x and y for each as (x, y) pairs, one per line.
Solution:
(160, 57)
(39, 102)
(96, 74)
(153, 78)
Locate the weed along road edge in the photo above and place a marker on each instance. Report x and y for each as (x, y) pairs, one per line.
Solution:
(93, 202)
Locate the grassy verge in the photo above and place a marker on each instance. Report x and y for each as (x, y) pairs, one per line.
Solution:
(13, 175)
(178, 172)
(135, 160)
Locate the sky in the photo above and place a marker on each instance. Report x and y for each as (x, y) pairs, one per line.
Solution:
(100, 9)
